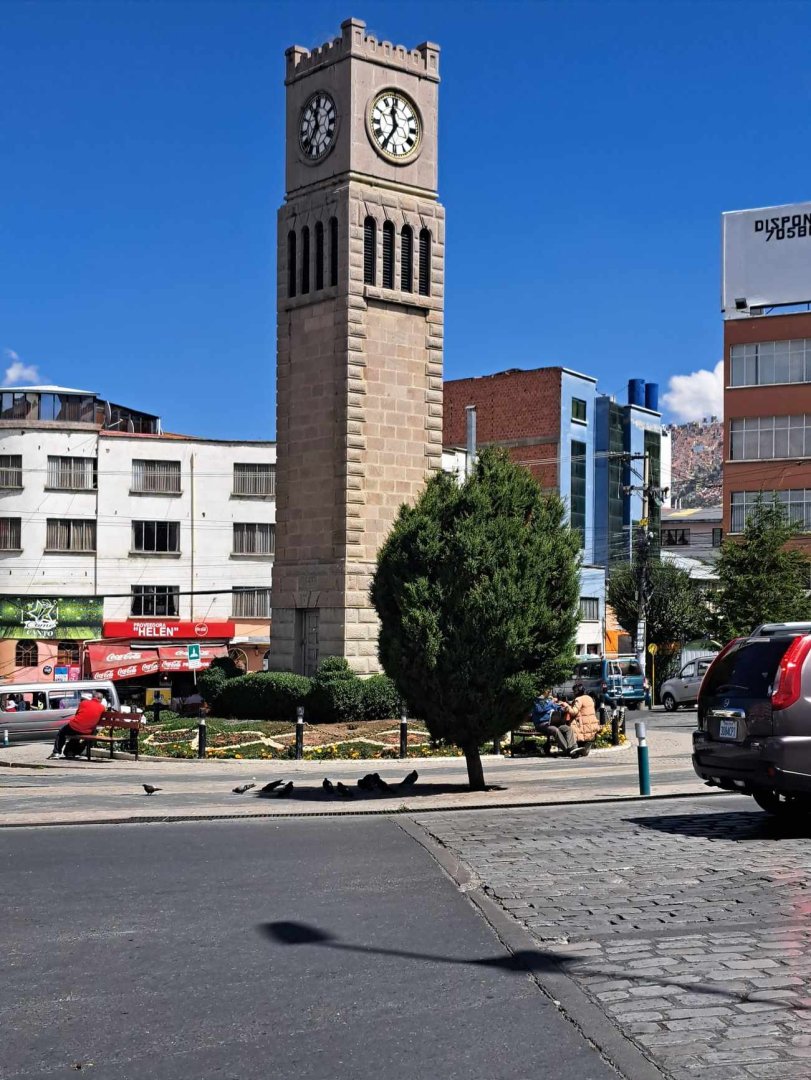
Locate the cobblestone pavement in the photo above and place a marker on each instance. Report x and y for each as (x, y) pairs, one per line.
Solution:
(686, 921)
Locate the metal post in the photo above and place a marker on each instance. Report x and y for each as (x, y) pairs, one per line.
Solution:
(642, 758)
(403, 732)
(470, 457)
(615, 727)
(201, 737)
(497, 746)
(299, 732)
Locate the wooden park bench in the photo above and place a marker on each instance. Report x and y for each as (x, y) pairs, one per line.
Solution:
(111, 721)
(528, 732)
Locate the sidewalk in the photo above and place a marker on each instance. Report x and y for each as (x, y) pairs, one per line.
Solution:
(39, 792)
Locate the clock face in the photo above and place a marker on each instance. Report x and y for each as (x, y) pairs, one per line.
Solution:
(317, 126)
(394, 125)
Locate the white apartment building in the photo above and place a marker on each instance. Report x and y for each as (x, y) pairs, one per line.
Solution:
(138, 541)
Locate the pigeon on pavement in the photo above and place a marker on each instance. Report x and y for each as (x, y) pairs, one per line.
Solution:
(150, 790)
(366, 783)
(272, 785)
(327, 784)
(379, 783)
(343, 790)
(288, 787)
(409, 781)
(243, 788)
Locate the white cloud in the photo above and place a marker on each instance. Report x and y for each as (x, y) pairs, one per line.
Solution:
(18, 373)
(694, 396)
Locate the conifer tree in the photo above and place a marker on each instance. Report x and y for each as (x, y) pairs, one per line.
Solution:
(477, 590)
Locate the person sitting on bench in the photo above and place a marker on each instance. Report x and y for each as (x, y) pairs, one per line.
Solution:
(544, 711)
(83, 722)
(582, 720)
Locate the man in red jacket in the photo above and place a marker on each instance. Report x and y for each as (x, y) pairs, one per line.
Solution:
(83, 722)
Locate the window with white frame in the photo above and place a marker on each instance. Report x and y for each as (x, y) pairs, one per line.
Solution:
(251, 603)
(156, 477)
(761, 438)
(71, 473)
(768, 363)
(796, 503)
(11, 470)
(156, 537)
(156, 600)
(590, 608)
(10, 534)
(252, 538)
(70, 534)
(257, 478)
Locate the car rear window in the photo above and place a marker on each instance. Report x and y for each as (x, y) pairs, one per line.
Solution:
(630, 667)
(747, 670)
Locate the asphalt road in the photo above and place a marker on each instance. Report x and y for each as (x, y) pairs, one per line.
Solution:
(298, 949)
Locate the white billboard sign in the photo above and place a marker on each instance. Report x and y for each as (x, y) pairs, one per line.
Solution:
(766, 258)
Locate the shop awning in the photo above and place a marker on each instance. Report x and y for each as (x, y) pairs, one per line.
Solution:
(117, 660)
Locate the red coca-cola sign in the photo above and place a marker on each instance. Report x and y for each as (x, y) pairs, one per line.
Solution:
(169, 629)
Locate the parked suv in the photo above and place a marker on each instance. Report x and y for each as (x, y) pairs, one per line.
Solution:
(619, 680)
(683, 688)
(754, 718)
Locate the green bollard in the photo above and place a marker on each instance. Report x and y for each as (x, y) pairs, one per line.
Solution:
(642, 758)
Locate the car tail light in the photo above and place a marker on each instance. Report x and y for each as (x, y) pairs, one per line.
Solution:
(789, 675)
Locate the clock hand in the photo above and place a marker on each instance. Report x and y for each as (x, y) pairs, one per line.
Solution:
(393, 118)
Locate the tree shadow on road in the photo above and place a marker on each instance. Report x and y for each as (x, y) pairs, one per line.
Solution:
(734, 825)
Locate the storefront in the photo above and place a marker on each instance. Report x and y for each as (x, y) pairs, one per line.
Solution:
(41, 637)
(141, 653)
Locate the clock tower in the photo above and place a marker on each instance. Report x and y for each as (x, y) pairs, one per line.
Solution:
(361, 240)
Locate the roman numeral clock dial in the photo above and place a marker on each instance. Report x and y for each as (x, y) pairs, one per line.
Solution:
(317, 126)
(394, 125)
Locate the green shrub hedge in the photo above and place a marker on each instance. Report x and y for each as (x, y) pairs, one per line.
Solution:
(335, 695)
(380, 698)
(266, 695)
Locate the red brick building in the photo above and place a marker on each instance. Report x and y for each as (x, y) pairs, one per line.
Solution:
(767, 416)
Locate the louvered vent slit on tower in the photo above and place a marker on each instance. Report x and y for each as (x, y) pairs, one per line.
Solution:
(425, 262)
(305, 260)
(388, 255)
(319, 255)
(291, 264)
(333, 251)
(407, 259)
(369, 245)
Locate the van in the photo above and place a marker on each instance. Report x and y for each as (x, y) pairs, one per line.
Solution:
(42, 708)
(754, 718)
(618, 680)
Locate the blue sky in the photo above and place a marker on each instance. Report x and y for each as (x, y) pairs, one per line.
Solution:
(587, 151)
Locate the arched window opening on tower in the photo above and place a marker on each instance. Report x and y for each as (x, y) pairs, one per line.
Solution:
(425, 262)
(369, 250)
(319, 255)
(333, 251)
(291, 263)
(407, 259)
(305, 260)
(388, 254)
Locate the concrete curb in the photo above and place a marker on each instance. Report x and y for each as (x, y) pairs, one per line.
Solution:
(549, 976)
(393, 811)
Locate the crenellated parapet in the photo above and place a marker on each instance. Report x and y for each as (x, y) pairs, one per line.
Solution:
(422, 61)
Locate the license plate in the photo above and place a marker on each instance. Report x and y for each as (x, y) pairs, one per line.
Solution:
(728, 729)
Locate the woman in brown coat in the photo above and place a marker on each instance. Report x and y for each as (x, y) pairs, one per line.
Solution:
(583, 719)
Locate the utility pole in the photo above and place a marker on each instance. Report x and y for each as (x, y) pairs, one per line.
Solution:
(642, 565)
(651, 496)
